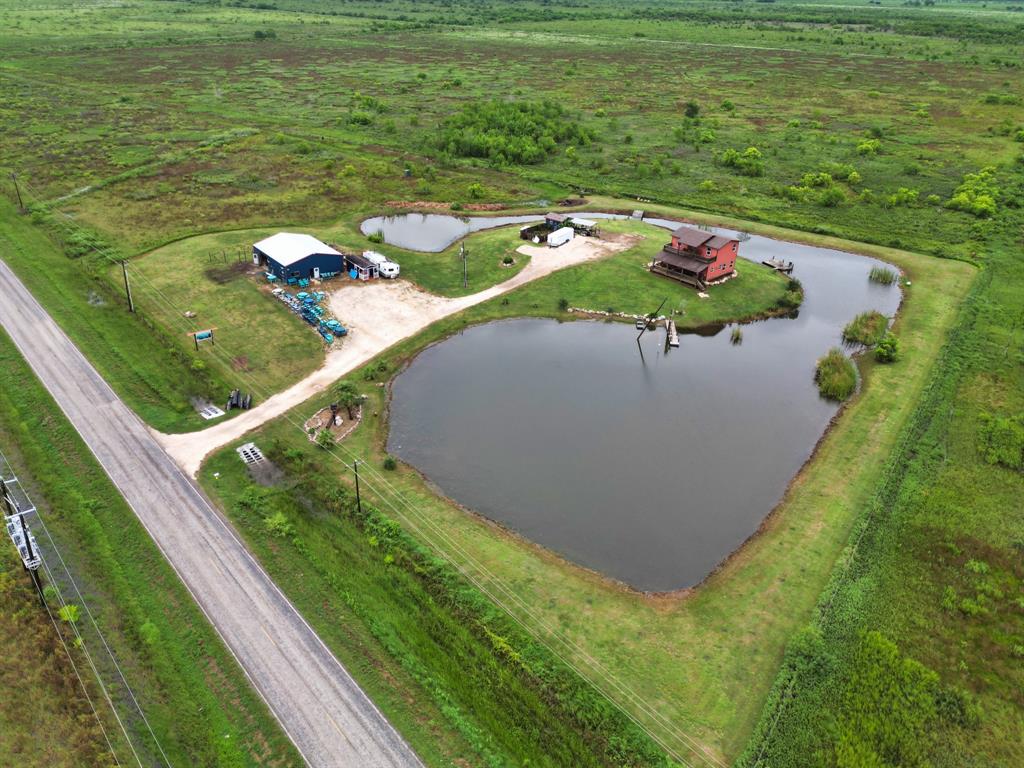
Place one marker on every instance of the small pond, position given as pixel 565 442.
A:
pixel 433 232
pixel 651 469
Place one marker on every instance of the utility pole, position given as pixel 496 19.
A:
pixel 127 288
pixel 359 499
pixel 14 178
pixel 465 266
pixel 18 530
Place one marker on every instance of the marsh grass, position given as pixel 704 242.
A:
pixel 882 275
pixel 867 328
pixel 836 375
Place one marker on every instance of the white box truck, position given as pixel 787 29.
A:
pixel 560 237
pixel 385 267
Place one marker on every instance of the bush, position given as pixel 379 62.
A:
pixel 836 375
pixel 888 348
pixel 376 237
pixel 510 132
pixel 1001 440
pixel 563 304
pixel 867 328
pixel 831 197
pixel 977 194
pixel 902 198
pixel 750 162
pixel 390 464
pixel 278 525
pixel 869 147
pixel 475 190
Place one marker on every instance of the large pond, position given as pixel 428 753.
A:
pixel 649 469
pixel 433 232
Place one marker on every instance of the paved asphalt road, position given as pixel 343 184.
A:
pixel 326 715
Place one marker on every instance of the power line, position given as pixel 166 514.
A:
pixel 699 750
pixel 81 682
pixel 95 625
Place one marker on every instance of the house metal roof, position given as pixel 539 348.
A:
pixel 694 238
pixel 719 241
pixel 679 261
pixel 556 217
pixel 286 248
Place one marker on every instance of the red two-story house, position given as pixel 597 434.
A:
pixel 696 257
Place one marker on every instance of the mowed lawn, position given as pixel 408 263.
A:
pixel 258 342
pixel 704 660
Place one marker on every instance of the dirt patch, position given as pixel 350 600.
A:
pixel 240 363
pixel 338 423
pixel 266 473
pixel 225 273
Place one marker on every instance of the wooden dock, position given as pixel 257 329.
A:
pixel 672 336
pixel 779 265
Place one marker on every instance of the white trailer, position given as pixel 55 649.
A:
pixel 561 237
pixel 385 267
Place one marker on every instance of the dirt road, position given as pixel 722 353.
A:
pixel 378 315
pixel 324 712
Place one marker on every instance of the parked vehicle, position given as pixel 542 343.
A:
pixel 385 267
pixel 560 237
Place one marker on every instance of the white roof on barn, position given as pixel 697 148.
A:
pixel 288 247
pixel 584 222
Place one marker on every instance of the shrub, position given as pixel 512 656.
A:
pixel 1001 440
pixel 869 147
pixel 867 328
pixel 475 190
pixel 390 464
pixel 278 525
pixel 69 613
pixel 977 194
pixel 692 109
pixel 902 198
pixel 325 439
pixel 836 375
pixel 376 237
pixel 750 162
pixel 508 260
pixel 736 337
pixel 510 132
pixel 888 348
pixel 831 197
pixel 563 304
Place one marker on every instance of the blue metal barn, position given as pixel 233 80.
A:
pixel 290 255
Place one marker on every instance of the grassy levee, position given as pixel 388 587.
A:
pixel 708 657
pixel 198 701
pixel 934 568
pixel 138 355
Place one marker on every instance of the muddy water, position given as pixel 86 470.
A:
pixel 649 469
pixel 433 232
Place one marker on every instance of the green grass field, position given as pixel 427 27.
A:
pixel 197 699
pixel 894 558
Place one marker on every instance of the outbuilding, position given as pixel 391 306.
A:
pixel 556 220
pixel 289 255
pixel 360 267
